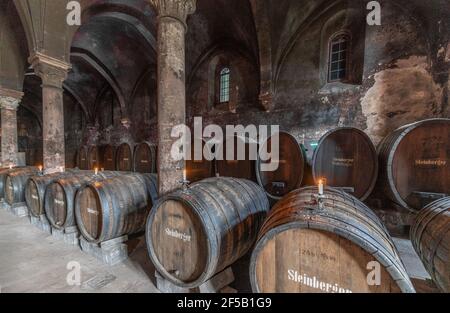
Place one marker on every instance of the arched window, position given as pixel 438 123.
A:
pixel 225 85
pixel 338 68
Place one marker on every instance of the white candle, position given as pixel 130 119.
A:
pixel 96 171
pixel 184 175
pixel 321 187
pixel 40 168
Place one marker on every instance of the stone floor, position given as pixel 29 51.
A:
pixel 32 261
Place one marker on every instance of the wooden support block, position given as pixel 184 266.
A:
pixel 42 223
pixel 110 252
pixel 218 282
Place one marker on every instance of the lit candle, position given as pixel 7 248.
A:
pixel 320 187
pixel 61 169
pixel 10 166
pixel 40 168
pixel 96 171
pixel 184 175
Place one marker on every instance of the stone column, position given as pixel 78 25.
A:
pixel 53 72
pixel 172 27
pixel 9 102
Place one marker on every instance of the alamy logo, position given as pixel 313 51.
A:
pixel 239 136
pixel 374 16
pixel 74 15
pixel 73 278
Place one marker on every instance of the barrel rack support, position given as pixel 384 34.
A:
pixel 41 222
pixel 217 284
pixel 110 252
pixel 19 210
pixel 69 235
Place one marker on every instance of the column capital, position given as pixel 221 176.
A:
pixel 53 72
pixel 10 99
pixel 176 9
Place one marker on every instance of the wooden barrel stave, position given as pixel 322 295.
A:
pixel 291 169
pixel 430 235
pixel 226 213
pixel 144 159
pixel 399 152
pixel 124 158
pixel 123 206
pixel 94 158
pixel 339 219
pixel 108 158
pixel 82 158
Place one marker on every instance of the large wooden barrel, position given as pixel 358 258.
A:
pixel 198 169
pixel 346 158
pixel 195 233
pixel 233 166
pixel 94 158
pixel 108 158
pixel 291 167
pixel 415 159
pixel 124 158
pixel 3 173
pixel 145 158
pixel 336 248
pixel 115 207
pixel 35 190
pixel 83 159
pixel 15 183
pixel 430 236
pixel 59 197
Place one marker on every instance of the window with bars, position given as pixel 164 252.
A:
pixel 339 58
pixel 225 85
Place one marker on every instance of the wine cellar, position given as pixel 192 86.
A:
pixel 225 146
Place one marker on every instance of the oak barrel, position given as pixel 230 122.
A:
pixel 430 235
pixel 35 190
pixel 304 248
pixel 15 183
pixel 229 164
pixel 144 160
pixel 415 159
pixel 115 207
pixel 83 159
pixel 290 170
pixel 108 157
pixel 94 158
pixel 196 233
pixel 124 158
pixel 347 158
pixel 199 168
pixel 3 173
pixel 59 197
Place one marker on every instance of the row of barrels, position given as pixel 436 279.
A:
pixel 410 163
pixel 304 244
pixel 125 157
pixel 102 205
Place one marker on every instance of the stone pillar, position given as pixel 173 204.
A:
pixel 172 27
pixel 53 72
pixel 9 102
